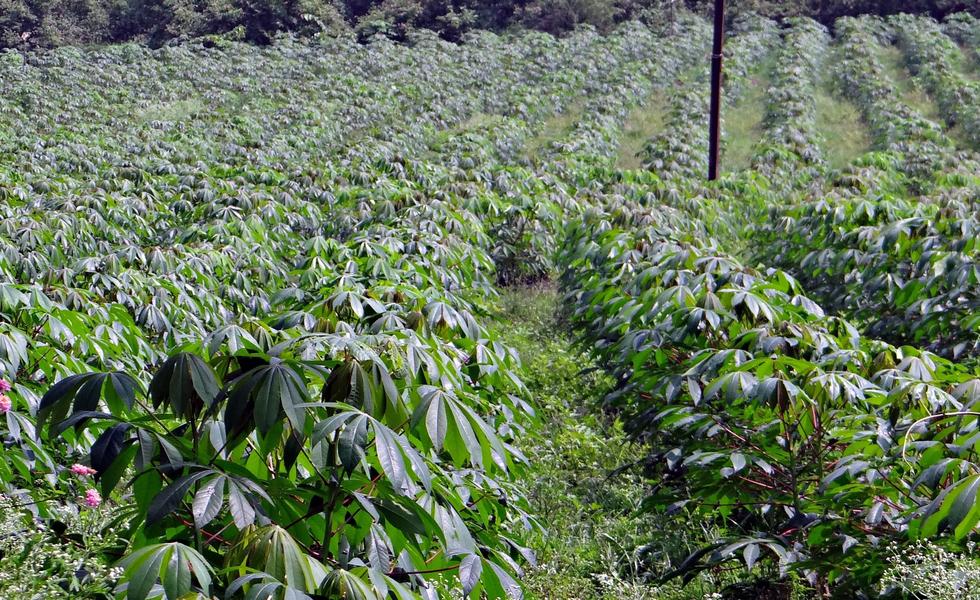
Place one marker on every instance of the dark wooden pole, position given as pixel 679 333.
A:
pixel 714 125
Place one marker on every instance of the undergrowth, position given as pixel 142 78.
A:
pixel 586 486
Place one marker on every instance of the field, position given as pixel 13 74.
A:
pixel 323 319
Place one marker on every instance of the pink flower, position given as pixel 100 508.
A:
pixel 5 404
pixel 82 470
pixel 5 385
pixel 92 498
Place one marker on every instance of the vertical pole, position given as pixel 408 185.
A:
pixel 714 125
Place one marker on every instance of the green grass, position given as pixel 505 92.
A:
pixel 845 135
pixel 592 523
pixel 642 124
pixel 555 128
pixel 909 92
pixel 173 111
pixel 914 95
pixel 968 67
pixel 742 124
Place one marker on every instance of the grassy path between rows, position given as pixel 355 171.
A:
pixel 643 123
pixel 845 134
pixel 555 128
pixel 909 92
pixel 595 543
pixel 743 123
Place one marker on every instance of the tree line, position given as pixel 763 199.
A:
pixel 47 23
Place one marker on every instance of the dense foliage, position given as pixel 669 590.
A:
pixel 245 310
pixel 813 440
pixel 29 23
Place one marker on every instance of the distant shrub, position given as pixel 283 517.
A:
pixel 47 23
pixel 57 22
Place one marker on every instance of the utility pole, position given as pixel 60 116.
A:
pixel 714 124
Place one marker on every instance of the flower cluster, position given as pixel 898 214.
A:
pixel 6 404
pixel 82 470
pixel 92 498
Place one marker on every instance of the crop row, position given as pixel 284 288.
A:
pixel 331 417
pixel 964 28
pixel 816 444
pixel 904 267
pixel 812 442
pixel 931 57
pixel 860 76
pixel 791 143
pixel 681 150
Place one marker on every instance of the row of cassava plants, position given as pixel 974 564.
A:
pixel 223 264
pixel 525 240
pixel 931 57
pixel 273 370
pixel 902 265
pixel 681 150
pixel 260 306
pixel 964 29
pixel 813 442
pixel 790 149
pixel 860 76
pixel 905 268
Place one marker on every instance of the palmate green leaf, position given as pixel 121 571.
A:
pixel 108 446
pixel 470 570
pixel 407 517
pixel 965 510
pixel 751 555
pixel 82 393
pixel 273 551
pixel 173 564
pixel 396 457
pixel 452 424
pixel 240 505
pixel 379 556
pixel 13 350
pixel 144 574
pixel 390 456
pixel 364 393
pixel 499 583
pixel 340 583
pixel 208 501
pixel 234 337
pixel 935 515
pixel 433 407
pixel 80 418
pixel 325 428
pixel 338 385
pixel 262 396
pixel 459 540
pixel 352 441
pixel 170 498
pixel 738 461
pixel 186 384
